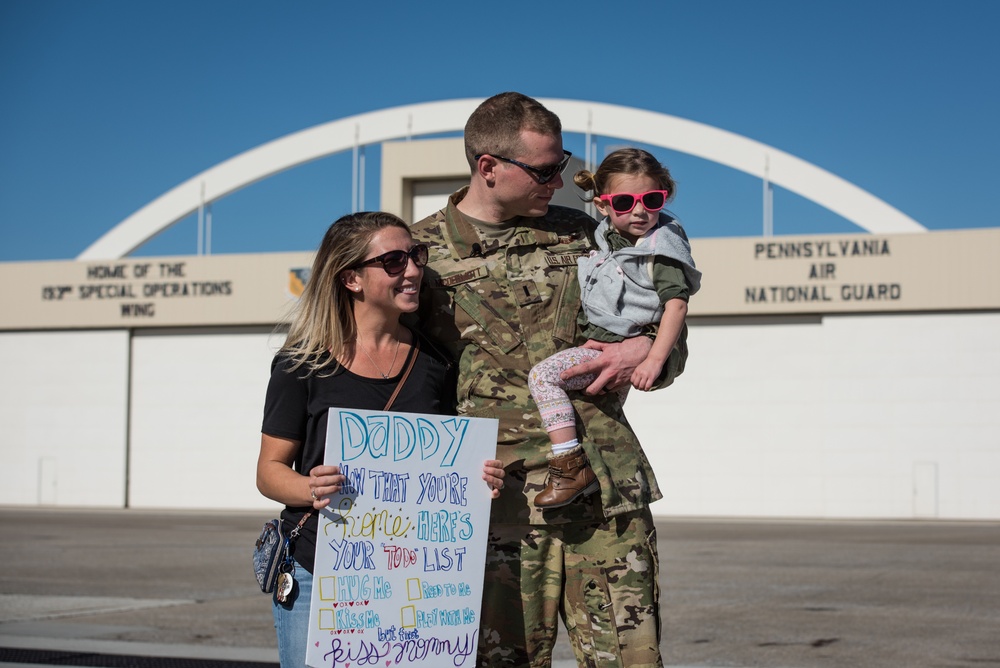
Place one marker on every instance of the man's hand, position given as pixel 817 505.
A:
pixel 614 366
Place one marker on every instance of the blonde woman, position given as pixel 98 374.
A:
pixel 346 348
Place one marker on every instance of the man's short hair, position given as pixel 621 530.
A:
pixel 495 126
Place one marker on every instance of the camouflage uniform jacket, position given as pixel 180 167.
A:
pixel 502 309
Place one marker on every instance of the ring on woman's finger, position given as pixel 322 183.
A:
pixel 312 493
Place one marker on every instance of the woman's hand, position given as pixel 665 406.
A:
pixel 493 474
pixel 324 481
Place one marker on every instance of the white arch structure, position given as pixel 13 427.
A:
pixel 590 118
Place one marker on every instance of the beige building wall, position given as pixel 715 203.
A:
pixel 936 271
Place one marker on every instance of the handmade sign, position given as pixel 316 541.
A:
pixel 401 551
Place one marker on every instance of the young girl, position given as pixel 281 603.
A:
pixel 642 275
pixel 346 347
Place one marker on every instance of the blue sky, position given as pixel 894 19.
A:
pixel 107 104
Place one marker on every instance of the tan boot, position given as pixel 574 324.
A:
pixel 570 477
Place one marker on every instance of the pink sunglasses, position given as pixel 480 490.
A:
pixel 652 201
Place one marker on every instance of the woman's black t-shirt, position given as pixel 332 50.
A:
pixel 295 408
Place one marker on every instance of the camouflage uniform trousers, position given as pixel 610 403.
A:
pixel 600 577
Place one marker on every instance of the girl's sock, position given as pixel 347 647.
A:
pixel 559 448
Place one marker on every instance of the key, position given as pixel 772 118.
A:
pixel 284 587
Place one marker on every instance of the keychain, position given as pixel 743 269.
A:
pixel 286 582
pixel 286 579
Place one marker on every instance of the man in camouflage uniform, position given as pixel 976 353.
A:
pixel 501 291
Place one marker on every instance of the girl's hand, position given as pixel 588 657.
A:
pixel 493 474
pixel 646 374
pixel 324 481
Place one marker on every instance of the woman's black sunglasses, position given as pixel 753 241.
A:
pixel 394 262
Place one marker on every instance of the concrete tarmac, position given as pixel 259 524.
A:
pixel 148 589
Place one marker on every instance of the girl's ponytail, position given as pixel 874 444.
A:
pixel 586 182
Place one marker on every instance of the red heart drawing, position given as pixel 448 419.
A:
pixel 317 643
pixel 351 604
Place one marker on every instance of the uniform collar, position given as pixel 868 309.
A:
pixel 461 235
pixel 465 240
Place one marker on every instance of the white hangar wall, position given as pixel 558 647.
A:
pixel 196 399
pixel 64 411
pixel 144 419
pixel 873 416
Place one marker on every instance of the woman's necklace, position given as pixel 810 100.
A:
pixel 385 376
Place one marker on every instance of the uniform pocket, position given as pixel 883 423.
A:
pixel 592 611
pixel 654 558
pixel 568 299
pixel 486 313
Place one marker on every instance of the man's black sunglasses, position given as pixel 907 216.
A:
pixel 394 262
pixel 541 174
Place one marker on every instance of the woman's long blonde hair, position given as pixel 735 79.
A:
pixel 323 321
